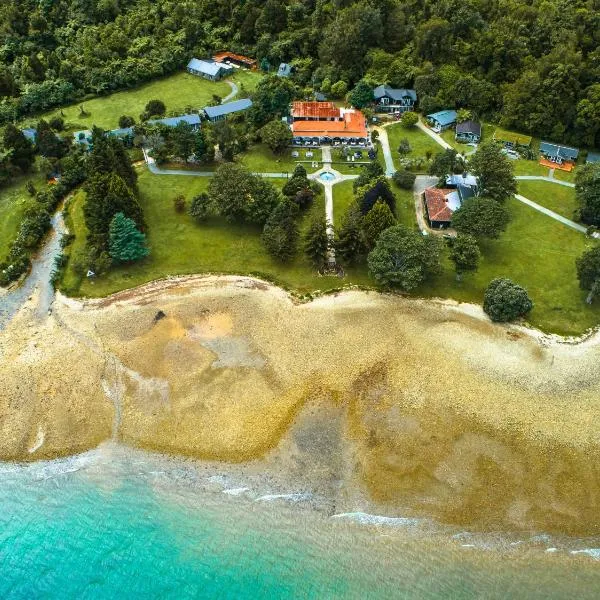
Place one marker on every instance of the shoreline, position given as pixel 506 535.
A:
pixel 385 405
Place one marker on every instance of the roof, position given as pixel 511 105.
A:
pixel 227 108
pixel 461 179
pixel 443 117
pixel 564 152
pixel 192 119
pixel 352 125
pixel 30 133
pixel 469 127
pixel 77 135
pixel 320 97
pixel 208 67
pixel 512 138
pixel 125 131
pixel 394 93
pixel 315 110
pixel 593 157
pixel 284 70
pixel 437 205
pixel 223 56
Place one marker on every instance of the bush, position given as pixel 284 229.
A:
pixel 155 108
pixel 505 300
pixel 179 203
pixel 200 208
pixel 57 123
pixel 409 119
pixel 126 121
pixel 404 179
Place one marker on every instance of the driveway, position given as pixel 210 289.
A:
pixel 543 178
pixel 390 169
pixel 232 94
pixel 434 136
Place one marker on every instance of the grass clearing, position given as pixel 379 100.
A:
pixel 421 144
pixel 14 201
pixel 556 197
pixel 180 246
pixel 565 175
pixel 180 93
pixel 529 167
pixel 260 159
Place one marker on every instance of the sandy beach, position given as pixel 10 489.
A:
pixel 373 402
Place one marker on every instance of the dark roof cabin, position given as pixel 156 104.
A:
pixel 593 157
pixel 388 99
pixel 558 154
pixel 468 131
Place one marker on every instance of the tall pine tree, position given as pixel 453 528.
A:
pixel 126 242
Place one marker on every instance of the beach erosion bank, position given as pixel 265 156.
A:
pixel 377 403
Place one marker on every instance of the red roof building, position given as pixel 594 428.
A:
pixel 235 59
pixel 325 120
pixel 439 212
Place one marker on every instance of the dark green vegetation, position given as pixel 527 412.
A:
pixel 533 67
pixel 505 300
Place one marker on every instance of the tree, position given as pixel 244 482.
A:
pixel 443 164
pixel 276 135
pixel 588 272
pixel 404 147
pixel 404 259
pixel 109 155
pixel 280 234
pixel 505 300
pixel 465 254
pixel 377 220
pixel 463 115
pixel 361 95
pixel 204 150
pixel 316 242
pixel 271 100
pixel 155 108
pixel 409 119
pixel 297 183
pixel 126 242
pixel 587 192
pixel 240 196
pixel 348 243
pixel 179 203
pixel 230 138
pixel 339 89
pixel 47 143
pixel 378 189
pixel 22 151
pixel 126 121
pixel 106 195
pixel 182 140
pixel 494 172
pixel 481 217
pixel 404 179
pixel 368 173
pixel 201 207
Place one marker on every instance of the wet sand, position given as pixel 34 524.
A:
pixel 376 403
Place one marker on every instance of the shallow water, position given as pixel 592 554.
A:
pixel 122 523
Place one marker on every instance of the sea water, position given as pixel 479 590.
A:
pixel 118 523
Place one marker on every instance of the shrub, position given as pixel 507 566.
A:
pixel 409 119
pixel 404 179
pixel 200 208
pixel 505 300
pixel 179 203
pixel 126 121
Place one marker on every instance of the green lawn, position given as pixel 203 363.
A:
pixel 565 176
pixel 529 167
pixel 180 246
pixel 260 159
pixel 180 93
pixel 246 80
pixel 75 223
pixel 420 142
pixel 556 197
pixel 14 200
pixel 343 196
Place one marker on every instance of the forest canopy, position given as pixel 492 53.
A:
pixel 531 66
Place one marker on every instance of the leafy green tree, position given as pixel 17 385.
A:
pixel 368 173
pixel 404 147
pixel 271 100
pixel 339 89
pixel 280 234
pixel 465 254
pixel 276 135
pixel 204 150
pixel 106 195
pixel 230 138
pixel 505 301
pixel 47 142
pixel 126 121
pixel 155 108
pixel 463 115
pixel 409 119
pixel 587 192
pixel 443 164
pixel 316 242
pixel 494 172
pixel 404 259
pixel 126 242
pixel 348 243
pixel 404 179
pixel 378 219
pixel 240 196
pixel 182 140
pixel 481 217
pixel 22 151
pixel 361 95
pixel 588 272
pixel 201 207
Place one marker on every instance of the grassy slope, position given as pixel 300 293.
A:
pixel 180 92
pixel 180 246
pixel 558 198
pixel 420 142
pixel 14 200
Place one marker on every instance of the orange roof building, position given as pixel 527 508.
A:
pixel 235 59
pixel 325 120
pixel 439 212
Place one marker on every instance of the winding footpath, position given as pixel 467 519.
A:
pixel 232 94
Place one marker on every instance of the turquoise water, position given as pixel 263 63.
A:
pixel 116 523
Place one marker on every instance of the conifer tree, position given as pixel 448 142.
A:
pixel 126 242
pixel 316 242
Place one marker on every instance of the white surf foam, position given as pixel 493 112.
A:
pixel 368 519
pixel 236 491
pixel 297 497
pixel 593 552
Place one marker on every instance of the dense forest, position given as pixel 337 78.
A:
pixel 529 65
